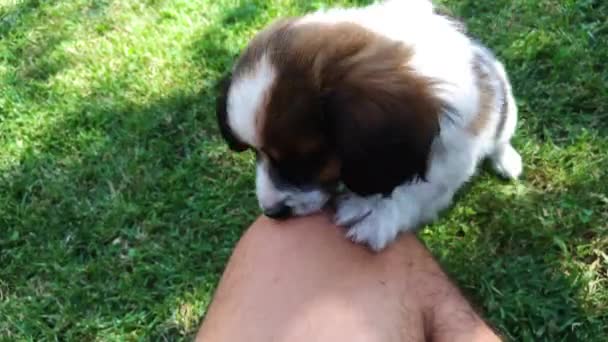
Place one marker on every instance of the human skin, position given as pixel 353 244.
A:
pixel 301 280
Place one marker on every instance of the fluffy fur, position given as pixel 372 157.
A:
pixel 394 101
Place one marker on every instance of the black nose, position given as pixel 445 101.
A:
pixel 278 212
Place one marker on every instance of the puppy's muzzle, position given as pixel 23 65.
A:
pixel 279 211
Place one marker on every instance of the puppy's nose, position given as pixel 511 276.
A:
pixel 278 212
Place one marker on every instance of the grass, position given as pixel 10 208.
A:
pixel 119 203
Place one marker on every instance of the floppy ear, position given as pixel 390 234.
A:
pixel 383 130
pixel 221 112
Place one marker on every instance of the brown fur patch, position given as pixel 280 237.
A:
pixel 331 171
pixel 381 115
pixel 487 97
pixel 342 90
pixel 258 46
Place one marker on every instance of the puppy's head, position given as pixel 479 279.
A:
pixel 326 104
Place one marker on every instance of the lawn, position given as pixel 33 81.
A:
pixel 119 203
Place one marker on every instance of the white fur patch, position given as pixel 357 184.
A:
pixel 245 98
pixel 267 193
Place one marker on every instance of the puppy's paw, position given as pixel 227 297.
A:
pixel 368 221
pixel 351 209
pixel 507 162
pixel 373 231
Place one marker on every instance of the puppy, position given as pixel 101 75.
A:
pixel 393 103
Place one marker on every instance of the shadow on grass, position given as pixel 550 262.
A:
pixel 246 13
pixel 31 35
pixel 11 17
pixel 146 210
pixel 119 212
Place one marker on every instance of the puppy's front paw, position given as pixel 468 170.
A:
pixel 373 230
pixel 367 220
pixel 352 209
pixel 507 162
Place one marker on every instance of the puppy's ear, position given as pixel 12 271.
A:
pixel 221 112
pixel 383 128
